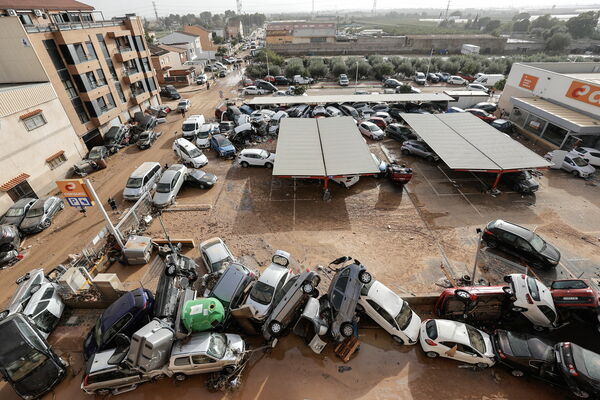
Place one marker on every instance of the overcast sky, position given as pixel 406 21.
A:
pixel 144 7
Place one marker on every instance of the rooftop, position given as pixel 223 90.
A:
pixel 44 5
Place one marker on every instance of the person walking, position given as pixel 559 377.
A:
pixel 112 203
pixel 207 85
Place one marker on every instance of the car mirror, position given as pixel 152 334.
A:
pixel 121 340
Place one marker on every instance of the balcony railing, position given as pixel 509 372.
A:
pixel 124 49
pixel 69 26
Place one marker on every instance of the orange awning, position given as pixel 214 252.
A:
pixel 22 177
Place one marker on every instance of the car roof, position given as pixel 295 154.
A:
pixel 368 123
pixel 184 143
pixel 452 330
pixel 195 343
pixel 216 250
pixel 168 176
pixel 143 169
pixel 120 307
pixel 387 299
pixel 525 345
pixel 513 228
pixel 252 151
pixel 273 274
pixel 23 202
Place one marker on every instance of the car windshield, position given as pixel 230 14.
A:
pixel 163 187
pixel 373 128
pixel 25 364
pixel 404 316
pixel 476 339
pixel 217 345
pixel 569 284
pixel 15 212
pixel 194 152
pixel 34 212
pixel 537 243
pixel 144 136
pixel 580 162
pixel 526 175
pixel 134 183
pixel 224 142
pixel 262 293
pixel 45 320
pixel 182 104
pixel 188 127
pixel 586 361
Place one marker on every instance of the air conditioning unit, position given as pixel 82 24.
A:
pixel 38 13
pixel 11 12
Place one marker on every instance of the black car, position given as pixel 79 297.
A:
pixel 231 288
pixel 503 125
pixel 114 137
pixel 281 80
pixel 170 92
pixel 525 354
pixel 268 86
pixel 521 181
pixel 395 113
pixel 433 78
pixel 488 107
pixel 201 179
pixel 391 83
pixel 580 367
pixel 380 107
pixel 522 242
pixel 399 132
pixel 17 211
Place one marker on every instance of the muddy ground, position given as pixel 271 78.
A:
pixel 409 238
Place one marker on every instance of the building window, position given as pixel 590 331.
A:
pixel 101 77
pixel 80 52
pixel 91 52
pixel 318 40
pixel 102 45
pixel 102 104
pixel 57 160
pixel 146 65
pixel 80 110
pixel 68 85
pixel 120 92
pixel 554 134
pixel 34 122
pixel 518 116
pixel 52 50
pixel 535 124
pixel 111 101
pixel 25 19
pixel 111 68
pixel 21 191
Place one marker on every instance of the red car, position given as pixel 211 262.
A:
pixel 483 115
pixel 574 293
pixel 468 78
pixel 380 122
pixel 479 303
pixel 269 78
pixel 247 82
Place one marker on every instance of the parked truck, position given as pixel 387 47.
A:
pixel 301 80
pixel 489 80
pixel 469 49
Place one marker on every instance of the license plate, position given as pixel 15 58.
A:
pixel 570 298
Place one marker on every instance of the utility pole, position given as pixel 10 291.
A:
pixel 155 10
pixel 374 7
pixel 356 81
pixel 447 8
pixel 111 227
pixel 428 65
pixel 239 6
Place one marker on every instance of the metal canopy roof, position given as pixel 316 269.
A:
pixel 351 98
pixel 322 147
pixel 558 115
pixel 465 142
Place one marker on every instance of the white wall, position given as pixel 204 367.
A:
pixel 18 60
pixel 26 151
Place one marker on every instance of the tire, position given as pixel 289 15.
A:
pixel 315 294
pixel 275 328
pixel 398 339
pixel 229 369
pixel 244 164
pixel 180 377
pixel 462 294
pixel 46 224
pixel 346 329
pixel 4 314
pixel 481 365
pixel 430 159
pixel 307 288
pixel 202 186
pixel 405 152
pixel 575 174
pixel 517 373
pixel 192 276
pixel 582 394
pixel 269 165
pixel 170 270
pixel 432 354
pixel 364 277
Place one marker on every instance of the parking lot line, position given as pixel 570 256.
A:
pixel 460 191
pixel 427 180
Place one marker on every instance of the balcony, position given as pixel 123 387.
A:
pixel 108 113
pixel 91 64
pixel 124 54
pixel 97 92
pixel 139 96
pixel 71 26
pixel 132 75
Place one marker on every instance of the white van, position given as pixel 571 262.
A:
pixel 142 180
pixel 189 154
pixel 489 80
pixel 191 126
pixel 203 135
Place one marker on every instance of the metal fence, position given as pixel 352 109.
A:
pixel 133 220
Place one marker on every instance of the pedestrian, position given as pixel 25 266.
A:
pixel 112 203
pixel 166 165
pixel 207 85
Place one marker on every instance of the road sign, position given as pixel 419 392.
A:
pixel 76 192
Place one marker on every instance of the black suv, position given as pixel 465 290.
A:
pixel 399 132
pixel 170 92
pixel 114 137
pixel 281 80
pixel 522 242
pixel 521 181
pixel 579 366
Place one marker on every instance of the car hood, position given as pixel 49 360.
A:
pixel 413 329
pixel 227 148
pixel 551 252
pixel 40 380
pixel 29 223
pixel 162 199
pixel 260 310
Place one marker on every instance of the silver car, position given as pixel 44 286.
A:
pixel 215 254
pixel 418 148
pixel 40 215
pixel 169 185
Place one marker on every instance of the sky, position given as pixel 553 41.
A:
pixel 144 8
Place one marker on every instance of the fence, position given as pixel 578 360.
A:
pixel 133 220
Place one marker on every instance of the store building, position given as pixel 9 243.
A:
pixel 100 70
pixel 557 102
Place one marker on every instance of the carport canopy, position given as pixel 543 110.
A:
pixel 465 142
pixel 351 98
pixel 322 148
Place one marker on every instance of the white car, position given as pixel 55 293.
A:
pixel 574 164
pixel 268 288
pixel 371 130
pixel 533 299
pixel 456 80
pixel 215 254
pixel 344 80
pixel 477 87
pixel 252 90
pixel 461 342
pixel 184 105
pixel 384 115
pixel 203 135
pixel 280 93
pixel 589 154
pixel 256 157
pixel 169 185
pixel 189 154
pixel 346 181
pixel 420 78
pixel 390 312
pixel 261 115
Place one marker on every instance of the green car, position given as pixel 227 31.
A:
pixel 202 314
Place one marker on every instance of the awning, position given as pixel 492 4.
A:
pixel 351 98
pixel 55 155
pixel 465 142
pixel 22 177
pixel 558 115
pixel 30 114
pixel 322 147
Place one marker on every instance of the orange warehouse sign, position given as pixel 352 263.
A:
pixel 75 192
pixel 528 81
pixel 585 93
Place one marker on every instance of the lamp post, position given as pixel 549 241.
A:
pixel 356 81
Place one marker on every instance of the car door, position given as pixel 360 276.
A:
pixel 507 240
pixel 420 150
pixel 568 164
pixel 202 363
pixel 468 354
pixel 176 184
pixel 181 364
pixel 383 318
pixel 524 248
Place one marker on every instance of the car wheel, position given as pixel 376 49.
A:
pixel 157 378
pixel 4 314
pixel 229 369
pixel 171 269
pixel 517 373
pixel 507 290
pixel 275 328
pixel 346 329
pixel 405 152
pixel 180 377
pixel 315 293
pixel 581 394
pixel 481 365
pixel 432 354
pixel 307 288
pixel 575 173
pixel 398 339
pixel 62 206
pixel 244 164
pixel 202 186
pixel 46 224
pixel 462 294
pixel 269 165
pixel 430 159
pixel 364 277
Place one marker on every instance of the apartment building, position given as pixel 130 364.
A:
pixel 168 62
pixel 100 69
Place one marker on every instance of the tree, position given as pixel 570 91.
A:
pixel 364 69
pixel 521 25
pixel 149 39
pixel 521 16
pixel 500 84
pixel 273 57
pixel 558 42
pixel 374 59
pixel 294 67
pixel 317 69
pixel 382 70
pixel 583 25
pixel 339 68
pixel 405 69
pixel 544 22
pixel 405 88
pixel 492 24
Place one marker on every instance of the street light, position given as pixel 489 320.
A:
pixel 356 81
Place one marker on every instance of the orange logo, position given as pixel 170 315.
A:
pixel 528 81
pixel 72 188
pixel 584 92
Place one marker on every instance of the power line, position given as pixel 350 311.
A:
pixel 374 10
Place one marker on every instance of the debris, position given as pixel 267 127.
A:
pixel 348 347
pixel 443 282
pixel 344 368
pixel 389 227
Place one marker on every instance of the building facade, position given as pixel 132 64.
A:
pixel 234 28
pixel 187 41
pixel 166 59
pixel 208 47
pixel 557 102
pixel 298 32
pixel 100 70
pixel 39 144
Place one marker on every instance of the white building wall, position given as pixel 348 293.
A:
pixel 26 151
